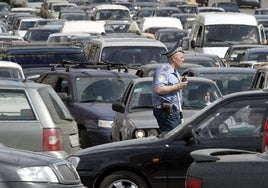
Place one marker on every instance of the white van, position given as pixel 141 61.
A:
pixel 212 33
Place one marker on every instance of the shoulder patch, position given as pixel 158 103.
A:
pixel 161 78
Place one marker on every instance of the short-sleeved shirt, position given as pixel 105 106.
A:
pixel 166 75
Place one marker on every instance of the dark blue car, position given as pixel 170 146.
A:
pixel 89 94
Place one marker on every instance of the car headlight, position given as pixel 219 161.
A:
pixel 140 133
pixel 104 123
pixel 38 174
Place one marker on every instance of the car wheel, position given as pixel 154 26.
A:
pixel 84 143
pixel 123 179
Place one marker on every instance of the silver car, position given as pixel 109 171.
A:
pixel 33 117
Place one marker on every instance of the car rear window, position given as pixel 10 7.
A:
pixel 55 106
pixel 15 106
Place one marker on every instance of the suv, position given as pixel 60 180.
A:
pixel 41 56
pixel 131 50
pixel 34 118
pixel 89 95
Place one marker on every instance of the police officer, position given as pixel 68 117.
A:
pixel 167 86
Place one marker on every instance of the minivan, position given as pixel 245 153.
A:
pixel 212 33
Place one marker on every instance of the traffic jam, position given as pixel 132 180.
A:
pixel 134 93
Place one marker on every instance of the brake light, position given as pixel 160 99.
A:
pixel 192 182
pixel 265 137
pixel 52 140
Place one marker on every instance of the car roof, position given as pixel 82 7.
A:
pixel 81 72
pixel 221 70
pixel 38 49
pixel 126 41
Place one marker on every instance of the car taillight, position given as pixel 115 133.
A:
pixel 192 182
pixel 52 140
pixel 265 137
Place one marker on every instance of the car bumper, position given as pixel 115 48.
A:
pixel 99 136
pixel 37 185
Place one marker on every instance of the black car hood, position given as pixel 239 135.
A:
pixel 133 143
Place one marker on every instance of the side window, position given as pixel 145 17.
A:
pixel 15 106
pixel 62 85
pixel 235 119
pixel 200 37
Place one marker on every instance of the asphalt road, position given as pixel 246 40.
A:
pixel 245 10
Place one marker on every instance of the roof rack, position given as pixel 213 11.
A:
pixel 68 64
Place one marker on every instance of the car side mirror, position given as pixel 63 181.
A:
pixel 188 135
pixel 193 44
pixel 117 106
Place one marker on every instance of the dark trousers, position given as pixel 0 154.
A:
pixel 165 121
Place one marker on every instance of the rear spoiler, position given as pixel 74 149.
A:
pixel 207 155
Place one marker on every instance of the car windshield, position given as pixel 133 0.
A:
pixel 113 14
pixel 133 56
pixel 230 82
pixel 224 35
pixel 90 89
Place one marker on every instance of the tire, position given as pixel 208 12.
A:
pixel 84 143
pixel 124 179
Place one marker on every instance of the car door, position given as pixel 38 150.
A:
pixel 234 131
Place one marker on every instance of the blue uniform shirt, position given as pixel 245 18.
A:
pixel 165 75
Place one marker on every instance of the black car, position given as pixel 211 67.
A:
pixel 34 56
pixel 224 168
pixel 162 161
pixel 202 2
pixel 248 3
pixel 21 168
pixel 89 94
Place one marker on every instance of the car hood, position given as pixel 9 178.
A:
pixel 94 109
pixel 24 158
pixel 144 119
pixel 123 145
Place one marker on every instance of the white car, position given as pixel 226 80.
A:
pixel 10 70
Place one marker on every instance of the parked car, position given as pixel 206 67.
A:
pixel 40 34
pixel 210 9
pixel 260 78
pixel 162 161
pixel 170 36
pixel 88 94
pixel 134 113
pixel 255 54
pixel 248 3
pixel 131 50
pixel 149 69
pixel 11 71
pixel 235 52
pixel 261 11
pixel 227 6
pixel 227 168
pixel 22 168
pixel 34 118
pixel 228 79
pixel 42 56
